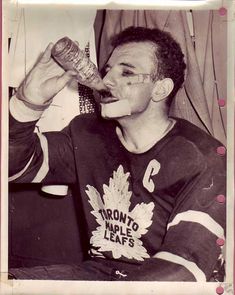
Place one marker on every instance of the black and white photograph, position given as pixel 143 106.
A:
pixel 119 150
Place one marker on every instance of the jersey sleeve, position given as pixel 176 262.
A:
pixel 191 250
pixel 39 157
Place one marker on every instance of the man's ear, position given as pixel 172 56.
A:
pixel 162 89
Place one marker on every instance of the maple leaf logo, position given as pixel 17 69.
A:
pixel 119 229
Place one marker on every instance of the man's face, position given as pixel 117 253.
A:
pixel 129 78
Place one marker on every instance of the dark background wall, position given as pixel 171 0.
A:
pixel 44 229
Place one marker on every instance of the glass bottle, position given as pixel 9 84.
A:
pixel 68 54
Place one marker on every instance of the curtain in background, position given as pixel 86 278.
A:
pixel 203 42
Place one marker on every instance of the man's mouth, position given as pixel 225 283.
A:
pixel 107 97
pixel 108 100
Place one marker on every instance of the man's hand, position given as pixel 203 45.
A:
pixel 44 81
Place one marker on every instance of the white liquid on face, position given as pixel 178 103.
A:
pixel 116 109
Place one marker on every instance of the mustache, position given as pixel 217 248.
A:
pixel 105 93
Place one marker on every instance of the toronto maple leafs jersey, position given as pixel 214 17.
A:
pixel 156 210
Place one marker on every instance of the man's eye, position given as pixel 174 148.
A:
pixel 127 73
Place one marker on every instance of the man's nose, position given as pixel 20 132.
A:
pixel 109 79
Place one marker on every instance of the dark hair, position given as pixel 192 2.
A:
pixel 168 52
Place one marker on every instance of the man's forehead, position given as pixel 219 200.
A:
pixel 134 50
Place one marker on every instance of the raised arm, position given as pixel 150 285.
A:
pixel 28 151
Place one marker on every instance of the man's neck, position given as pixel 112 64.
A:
pixel 139 133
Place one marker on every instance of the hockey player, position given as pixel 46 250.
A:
pixel 148 183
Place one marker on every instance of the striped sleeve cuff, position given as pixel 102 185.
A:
pixel 43 169
pixel 23 113
pixel 201 218
pixel 189 265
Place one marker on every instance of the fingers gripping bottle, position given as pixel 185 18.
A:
pixel 68 54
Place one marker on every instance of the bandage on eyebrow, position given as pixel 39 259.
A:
pixel 68 54
pixel 139 79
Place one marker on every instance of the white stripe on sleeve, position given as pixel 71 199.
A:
pixel 189 265
pixel 17 175
pixel 42 172
pixel 201 218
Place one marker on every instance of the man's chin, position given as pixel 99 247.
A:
pixel 116 109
